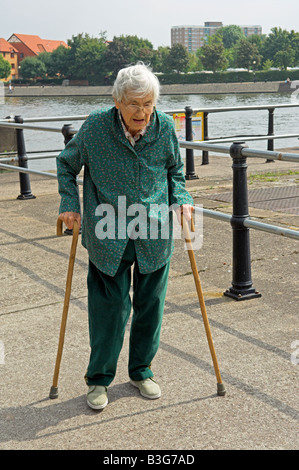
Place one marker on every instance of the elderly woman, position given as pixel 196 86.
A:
pixel 131 160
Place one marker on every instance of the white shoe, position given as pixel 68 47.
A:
pixel 97 397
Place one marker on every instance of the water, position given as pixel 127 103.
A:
pixel 220 124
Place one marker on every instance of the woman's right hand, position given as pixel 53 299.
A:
pixel 69 217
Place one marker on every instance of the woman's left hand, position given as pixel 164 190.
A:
pixel 186 210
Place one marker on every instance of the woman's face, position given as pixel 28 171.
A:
pixel 136 111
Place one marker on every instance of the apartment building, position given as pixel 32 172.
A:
pixel 193 36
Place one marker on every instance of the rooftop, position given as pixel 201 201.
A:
pixel 35 43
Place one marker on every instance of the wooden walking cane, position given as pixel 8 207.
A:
pixel 54 388
pixel 220 386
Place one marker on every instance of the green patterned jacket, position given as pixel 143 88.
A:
pixel 118 176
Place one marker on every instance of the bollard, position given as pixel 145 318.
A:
pixel 190 173
pixel 270 146
pixel 205 153
pixel 68 133
pixel 241 288
pixel 22 158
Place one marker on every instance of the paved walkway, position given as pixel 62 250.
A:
pixel 254 340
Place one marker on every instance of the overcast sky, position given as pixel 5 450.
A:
pixel 150 19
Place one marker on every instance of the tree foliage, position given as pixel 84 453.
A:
pixel 278 43
pixel 212 55
pixel 177 59
pixel 230 35
pixel 5 68
pixel 247 55
pixel 98 60
pixel 32 67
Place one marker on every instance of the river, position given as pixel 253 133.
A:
pixel 220 124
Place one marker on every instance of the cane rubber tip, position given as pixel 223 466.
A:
pixel 221 390
pixel 53 392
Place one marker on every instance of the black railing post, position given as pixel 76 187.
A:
pixel 190 173
pixel 22 158
pixel 68 133
pixel 241 288
pixel 205 153
pixel 270 146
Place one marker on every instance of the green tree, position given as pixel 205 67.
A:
pixel 84 58
pixel 247 55
pixel 117 55
pixel 212 55
pixel 46 58
pixel 59 63
pixel 89 59
pixel 141 49
pixel 177 60
pixel 230 35
pixel 277 40
pixel 294 40
pixel 285 59
pixel 160 57
pixel 56 62
pixel 258 40
pixel 5 68
pixel 267 65
pixel 32 67
pixel 195 64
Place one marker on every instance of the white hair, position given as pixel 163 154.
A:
pixel 137 79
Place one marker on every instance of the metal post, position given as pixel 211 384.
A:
pixel 22 159
pixel 205 153
pixel 190 173
pixel 270 132
pixel 241 288
pixel 68 133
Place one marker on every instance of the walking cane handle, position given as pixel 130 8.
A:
pixel 59 225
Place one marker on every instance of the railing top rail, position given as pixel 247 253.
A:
pixel 235 108
pixel 252 138
pixel 204 146
pixel 14 125
pixel 271 155
pixel 34 172
pixel 246 152
pixel 49 118
pixel 171 111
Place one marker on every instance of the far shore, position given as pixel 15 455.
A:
pixel 186 89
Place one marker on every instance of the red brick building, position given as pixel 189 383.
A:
pixel 31 45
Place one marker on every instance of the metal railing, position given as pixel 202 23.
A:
pixel 270 137
pixel 241 223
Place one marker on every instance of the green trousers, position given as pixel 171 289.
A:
pixel 109 307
